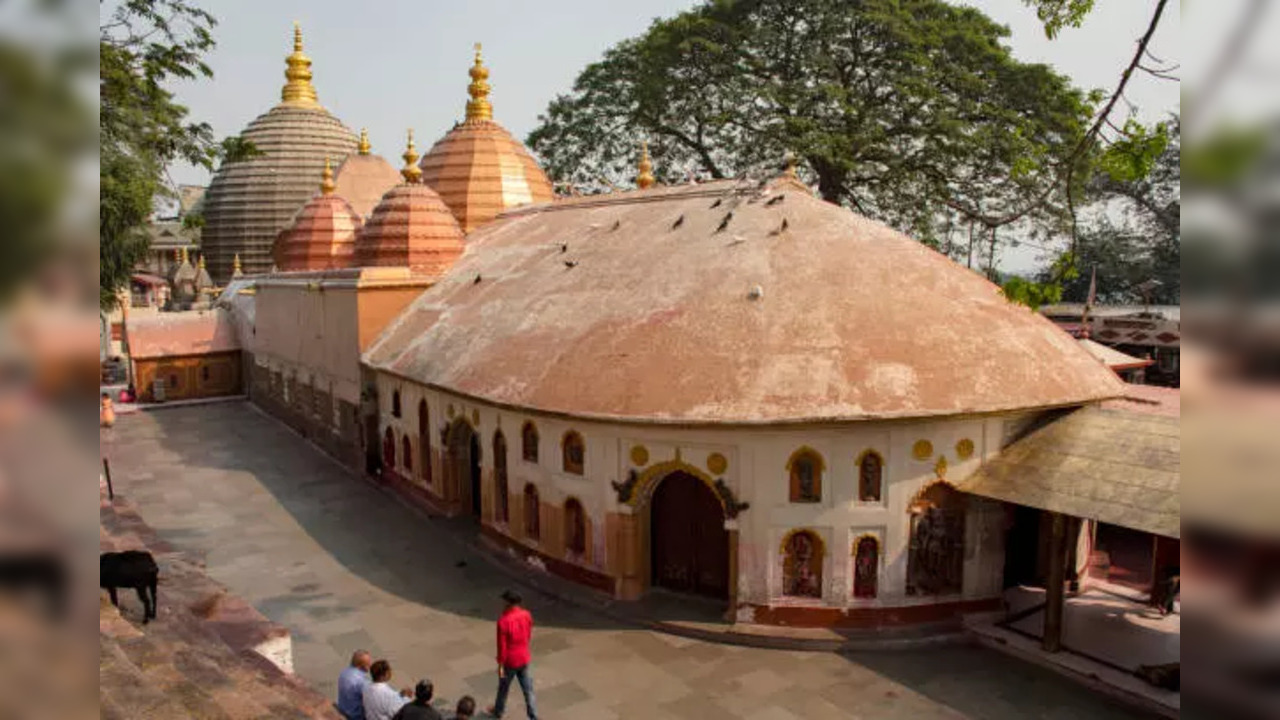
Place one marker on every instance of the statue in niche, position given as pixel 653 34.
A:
pixel 866 567
pixel 935 562
pixel 802 567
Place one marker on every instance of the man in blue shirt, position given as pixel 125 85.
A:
pixel 351 683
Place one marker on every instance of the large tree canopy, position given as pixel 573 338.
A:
pixel 143 45
pixel 912 111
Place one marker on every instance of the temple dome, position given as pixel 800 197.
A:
pixel 363 178
pixel 478 168
pixel 410 227
pixel 322 235
pixel 720 303
pixel 250 201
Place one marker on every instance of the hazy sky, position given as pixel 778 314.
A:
pixel 393 64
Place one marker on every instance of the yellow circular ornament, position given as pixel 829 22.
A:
pixel 639 455
pixel 922 450
pixel 964 449
pixel 717 463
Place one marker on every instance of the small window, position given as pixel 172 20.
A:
pixel 424 440
pixel 532 510
pixel 870 476
pixel 395 404
pixel 407 452
pixel 802 565
pixel 529 442
pixel 575 528
pixel 503 512
pixel 805 468
pixel 574 451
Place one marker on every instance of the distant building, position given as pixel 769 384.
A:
pixel 1143 331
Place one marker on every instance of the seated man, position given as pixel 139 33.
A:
pixel 351 683
pixel 420 708
pixel 466 708
pixel 381 701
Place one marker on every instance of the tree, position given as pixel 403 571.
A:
pixel 912 111
pixel 143 45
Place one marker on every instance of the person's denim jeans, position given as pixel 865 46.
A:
pixel 526 686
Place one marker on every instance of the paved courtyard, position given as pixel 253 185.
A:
pixel 344 565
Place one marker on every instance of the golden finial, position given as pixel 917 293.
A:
pixel 791 165
pixel 645 178
pixel 364 141
pixel 411 172
pixel 478 107
pixel 236 270
pixel 326 183
pixel 200 262
pixel 185 260
pixel 298 89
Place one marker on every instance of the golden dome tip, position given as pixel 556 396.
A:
pixel 478 107
pixel 411 172
pixel 326 183
pixel 645 178
pixel 364 141
pixel 298 89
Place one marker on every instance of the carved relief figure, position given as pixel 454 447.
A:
pixel 805 469
pixel 866 567
pixel 935 563
pixel 802 565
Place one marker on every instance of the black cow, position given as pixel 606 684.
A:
pixel 131 569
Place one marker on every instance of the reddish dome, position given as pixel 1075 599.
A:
pixel 322 235
pixel 411 227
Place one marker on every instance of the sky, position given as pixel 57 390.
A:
pixel 389 65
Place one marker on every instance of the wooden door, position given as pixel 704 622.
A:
pixel 690 547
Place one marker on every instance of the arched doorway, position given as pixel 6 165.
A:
pixel 688 542
pixel 464 458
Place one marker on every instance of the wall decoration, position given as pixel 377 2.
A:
pixel 964 449
pixel 717 463
pixel 626 490
pixel 922 450
pixel 731 505
pixel 639 455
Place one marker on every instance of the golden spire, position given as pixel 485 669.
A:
pixel 200 262
pixel 326 183
pixel 364 141
pixel 790 160
pixel 645 178
pixel 478 107
pixel 185 260
pixel 411 172
pixel 236 270
pixel 298 89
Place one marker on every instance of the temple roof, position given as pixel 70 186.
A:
pixel 727 303
pixel 363 178
pixel 410 227
pixel 322 235
pixel 478 168
pixel 175 334
pixel 249 201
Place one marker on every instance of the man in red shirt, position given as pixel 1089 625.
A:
pixel 515 628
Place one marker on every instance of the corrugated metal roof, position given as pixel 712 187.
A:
pixel 1113 466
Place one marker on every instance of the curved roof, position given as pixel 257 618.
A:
pixel 249 201
pixel 639 306
pixel 321 237
pixel 363 178
pixel 411 228
pixel 478 168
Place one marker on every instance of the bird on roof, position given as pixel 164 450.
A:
pixel 776 200
pixel 564 247
pixel 477 280
pixel 617 224
pixel 716 204
pixel 679 221
pixel 571 263
pixel 725 222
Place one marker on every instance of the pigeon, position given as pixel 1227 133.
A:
pixel 564 247
pixel 776 200
pixel 716 204
pixel 571 263
pixel 725 222
pixel 679 221
pixel 617 224
pixel 477 280
pixel 780 228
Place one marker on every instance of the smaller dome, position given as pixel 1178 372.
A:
pixel 363 178
pixel 410 227
pixel 322 235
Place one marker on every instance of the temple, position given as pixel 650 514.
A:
pixel 732 389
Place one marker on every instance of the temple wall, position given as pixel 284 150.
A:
pixel 189 377
pixel 752 464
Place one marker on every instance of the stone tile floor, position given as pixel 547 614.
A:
pixel 344 565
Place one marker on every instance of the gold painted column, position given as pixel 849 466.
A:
pixel 1054 590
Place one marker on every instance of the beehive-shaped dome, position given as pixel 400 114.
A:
pixel 411 227
pixel 478 168
pixel 363 178
pixel 322 235
pixel 250 200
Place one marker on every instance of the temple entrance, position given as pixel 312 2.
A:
pixel 1123 556
pixel 464 460
pixel 688 542
pixel 1026 548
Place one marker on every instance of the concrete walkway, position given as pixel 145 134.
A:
pixel 343 565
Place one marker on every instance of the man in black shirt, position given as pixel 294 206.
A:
pixel 420 708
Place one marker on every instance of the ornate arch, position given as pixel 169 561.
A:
pixel 637 491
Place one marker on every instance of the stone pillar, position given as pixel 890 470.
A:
pixel 632 585
pixel 1054 586
pixel 731 614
